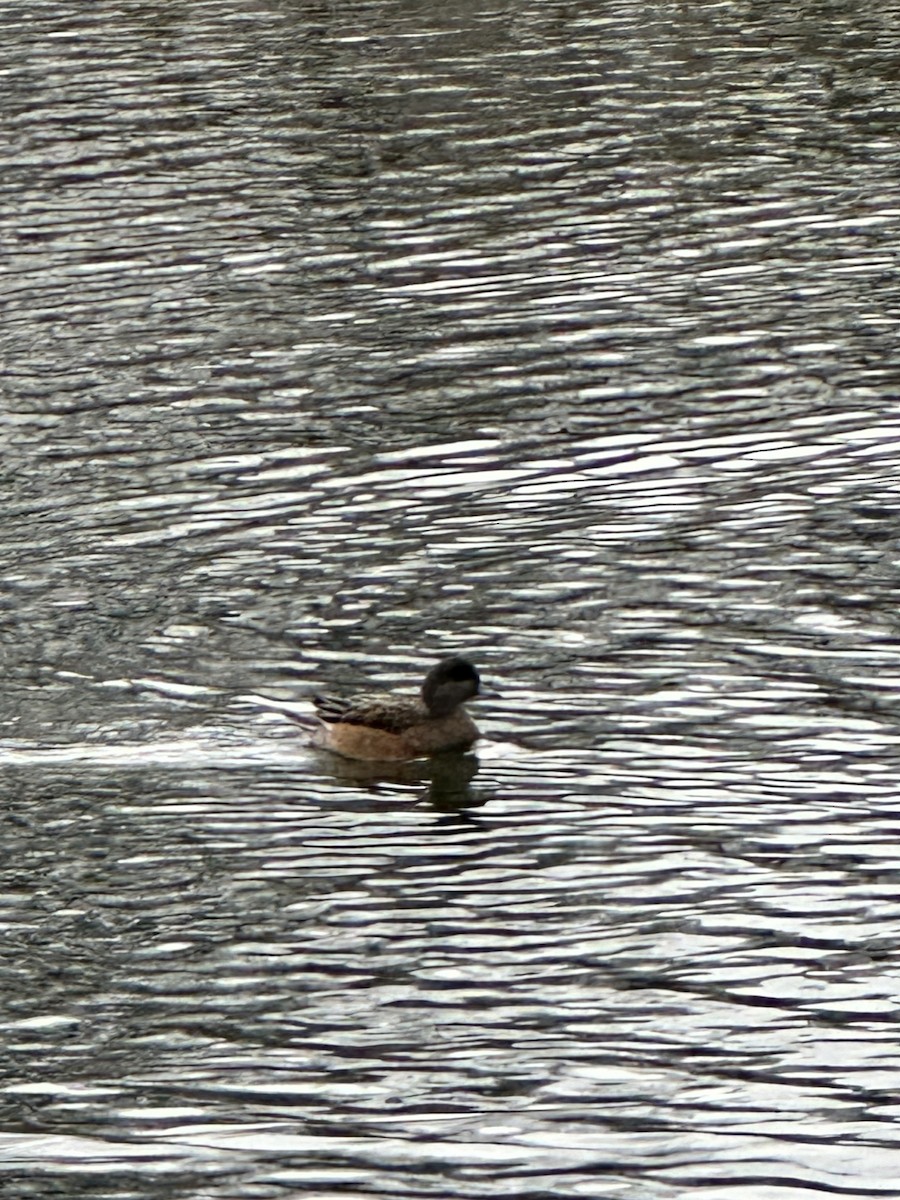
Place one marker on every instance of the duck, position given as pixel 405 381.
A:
pixel 394 726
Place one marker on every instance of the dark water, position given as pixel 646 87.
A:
pixel 338 337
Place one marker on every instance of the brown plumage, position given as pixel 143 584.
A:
pixel 390 727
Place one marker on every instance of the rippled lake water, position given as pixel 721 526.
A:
pixel 340 337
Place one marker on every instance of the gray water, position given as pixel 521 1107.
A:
pixel 338 337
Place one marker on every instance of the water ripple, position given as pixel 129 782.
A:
pixel 564 339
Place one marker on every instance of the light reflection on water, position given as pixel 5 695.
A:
pixel 562 339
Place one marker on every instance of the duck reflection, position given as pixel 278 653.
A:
pixel 445 779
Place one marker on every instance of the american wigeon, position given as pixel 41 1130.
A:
pixel 395 726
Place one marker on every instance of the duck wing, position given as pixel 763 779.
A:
pixel 391 713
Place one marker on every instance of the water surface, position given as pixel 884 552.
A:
pixel 340 337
